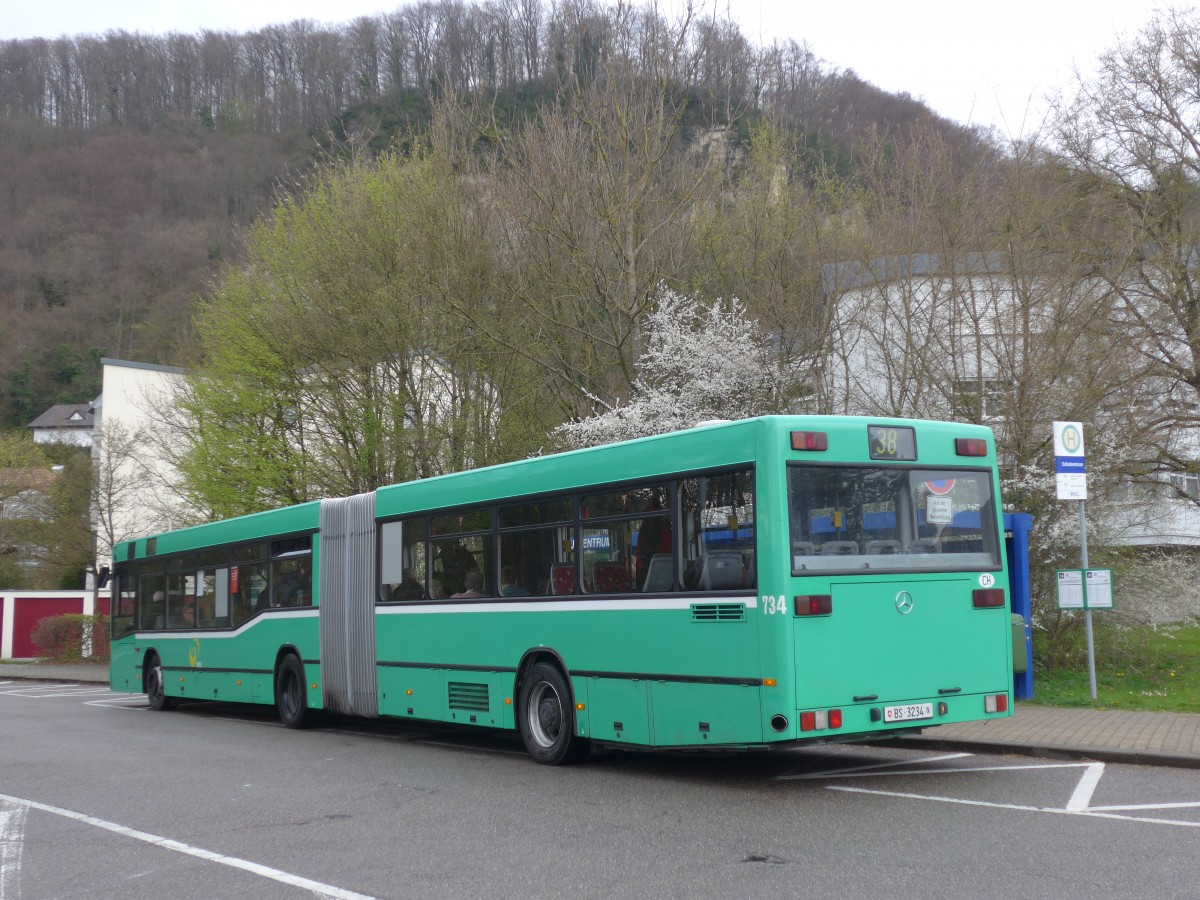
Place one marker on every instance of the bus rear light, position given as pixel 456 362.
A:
pixel 995 703
pixel 970 446
pixel 987 598
pixel 814 605
pixel 810 440
pixel 820 719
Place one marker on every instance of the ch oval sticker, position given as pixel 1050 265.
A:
pixel 986 580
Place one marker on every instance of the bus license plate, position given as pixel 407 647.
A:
pixel 909 713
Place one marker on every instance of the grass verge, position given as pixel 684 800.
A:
pixel 1136 668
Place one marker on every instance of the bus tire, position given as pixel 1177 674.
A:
pixel 156 685
pixel 291 694
pixel 547 717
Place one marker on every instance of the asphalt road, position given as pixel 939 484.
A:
pixel 101 797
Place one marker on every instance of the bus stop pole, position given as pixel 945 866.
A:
pixel 1087 612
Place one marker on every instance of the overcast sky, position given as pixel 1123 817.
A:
pixel 983 62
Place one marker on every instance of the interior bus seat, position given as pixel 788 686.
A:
pixel 562 579
pixel 658 574
pixel 882 547
pixel 804 548
pixel 609 578
pixel 722 571
pixel 839 548
pixel 924 545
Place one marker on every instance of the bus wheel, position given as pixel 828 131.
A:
pixel 547 717
pixel 156 688
pixel 291 698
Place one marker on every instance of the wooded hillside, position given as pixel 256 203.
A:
pixel 129 162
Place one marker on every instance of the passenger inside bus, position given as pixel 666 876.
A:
pixel 508 583
pixel 408 588
pixel 473 586
pixel 654 536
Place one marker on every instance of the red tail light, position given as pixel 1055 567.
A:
pixel 970 446
pixel 814 605
pixel 987 598
pixel 810 440
pixel 995 703
pixel 820 720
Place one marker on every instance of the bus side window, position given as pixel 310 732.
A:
pixel 718 547
pixel 212 596
pixel 292 581
pixel 402 560
pixel 124 617
pixel 153 604
pixel 247 584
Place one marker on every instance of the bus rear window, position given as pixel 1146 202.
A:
pixel 890 518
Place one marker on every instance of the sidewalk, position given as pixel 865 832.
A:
pixel 1104 735
pixel 87 672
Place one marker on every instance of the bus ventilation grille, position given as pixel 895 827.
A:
pixel 472 697
pixel 718 612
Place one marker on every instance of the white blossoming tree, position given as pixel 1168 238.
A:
pixel 702 361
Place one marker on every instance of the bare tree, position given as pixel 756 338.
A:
pixel 117 486
pixel 596 203
pixel 1132 135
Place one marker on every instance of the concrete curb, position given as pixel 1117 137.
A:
pixel 1042 751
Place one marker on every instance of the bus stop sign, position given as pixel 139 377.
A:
pixel 1070 464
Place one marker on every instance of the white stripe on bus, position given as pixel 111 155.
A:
pixel 577 604
pixel 306 613
pixel 573 605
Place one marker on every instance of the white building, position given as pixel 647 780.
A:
pixel 924 337
pixel 135 478
pixel 65 423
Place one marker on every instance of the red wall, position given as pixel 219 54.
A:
pixel 28 611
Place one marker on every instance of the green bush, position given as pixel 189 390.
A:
pixel 65 638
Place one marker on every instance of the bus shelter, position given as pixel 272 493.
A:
pixel 1016 539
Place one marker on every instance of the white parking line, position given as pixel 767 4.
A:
pixel 1087 813
pixel 12 842
pixel 323 890
pixel 51 693
pixel 1086 787
pixel 1134 806
pixel 123 701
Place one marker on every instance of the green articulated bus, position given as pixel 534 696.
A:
pixel 748 584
